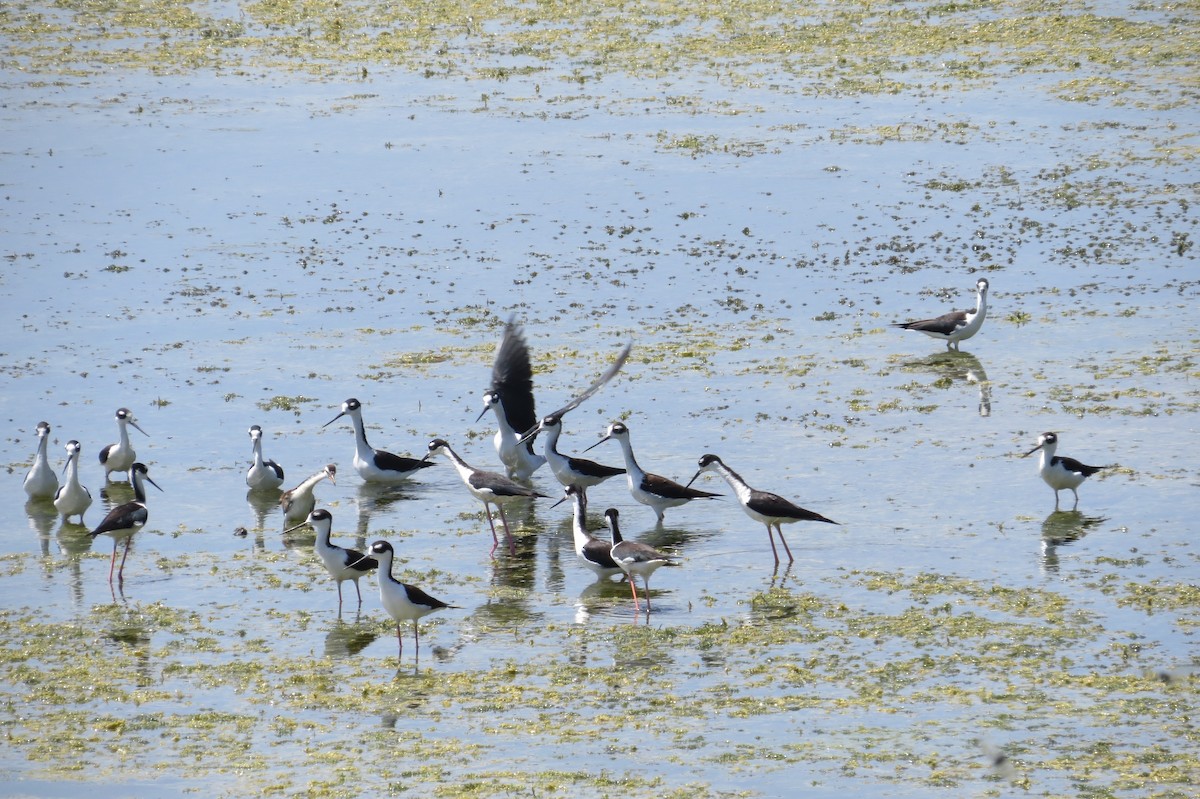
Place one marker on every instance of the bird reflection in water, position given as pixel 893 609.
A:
pixel 1061 528
pixel 951 367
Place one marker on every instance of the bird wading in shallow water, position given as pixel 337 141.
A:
pixel 1060 472
pixel 72 499
pixel 650 489
pixel 120 456
pixel 375 465
pixel 591 551
pixel 764 507
pixel 955 326
pixel 579 473
pixel 125 520
pixel 300 501
pixel 341 563
pixel 403 602
pixel 634 558
pixel 41 482
pixel 510 397
pixel 263 475
pixel 490 488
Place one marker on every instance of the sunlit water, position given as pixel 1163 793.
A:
pixel 193 247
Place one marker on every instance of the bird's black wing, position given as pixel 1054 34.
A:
pixel 512 378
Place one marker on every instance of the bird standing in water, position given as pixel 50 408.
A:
pixel 125 520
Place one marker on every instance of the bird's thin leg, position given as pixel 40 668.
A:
pixel 495 539
pixel 399 643
pixel 416 642
pixel 112 562
pixel 779 529
pixel 512 547
pixel 633 588
pixel 771 538
pixel 121 568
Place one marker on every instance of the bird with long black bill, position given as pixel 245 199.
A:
pixel 955 326
pixel 510 397
pixel 490 488
pixel 300 501
pixel 634 558
pixel 120 456
pixel 594 553
pixel 764 507
pixel 376 465
pixel 125 520
pixel 570 471
pixel 72 498
pixel 1061 472
pixel 648 488
pixel 342 563
pixel 403 602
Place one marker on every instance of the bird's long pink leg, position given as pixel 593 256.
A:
pixel 779 528
pixel 771 538
pixel 512 547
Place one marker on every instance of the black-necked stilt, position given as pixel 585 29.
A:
pixel 1060 472
pixel 955 326
pixel 650 489
pixel 72 499
pixel 510 396
pixel 125 520
pixel 263 475
pixel 578 472
pixel 41 481
pixel 634 558
pixel 591 551
pixel 762 506
pixel 490 488
pixel 402 601
pixel 120 456
pixel 300 501
pixel 341 563
pixel 375 465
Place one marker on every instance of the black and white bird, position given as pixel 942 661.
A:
pixel 1060 472
pixel 263 474
pixel 647 488
pixel 341 563
pixel 125 520
pixel 761 506
pixel 510 397
pixel 72 499
pixel 375 465
pixel 41 482
pixel 634 558
pixel 594 553
pixel 490 488
pixel 955 326
pixel 120 456
pixel 300 501
pixel 580 473
pixel 403 602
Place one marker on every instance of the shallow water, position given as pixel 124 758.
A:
pixel 215 250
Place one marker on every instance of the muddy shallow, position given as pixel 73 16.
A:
pixel 253 236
